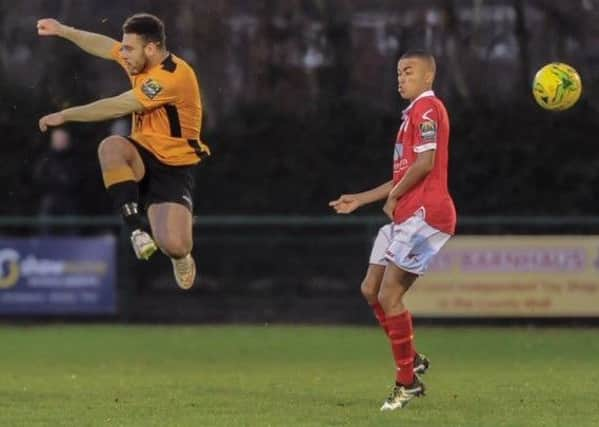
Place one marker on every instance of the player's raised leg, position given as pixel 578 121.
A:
pixel 122 169
pixel 172 228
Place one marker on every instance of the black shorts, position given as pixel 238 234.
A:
pixel 165 183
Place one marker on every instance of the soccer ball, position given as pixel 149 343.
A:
pixel 557 86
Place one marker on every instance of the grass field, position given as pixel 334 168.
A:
pixel 288 376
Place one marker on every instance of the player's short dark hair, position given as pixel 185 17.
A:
pixel 420 54
pixel 147 26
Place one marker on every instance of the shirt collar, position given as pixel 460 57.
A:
pixel 422 95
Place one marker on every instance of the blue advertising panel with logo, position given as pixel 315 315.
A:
pixel 58 275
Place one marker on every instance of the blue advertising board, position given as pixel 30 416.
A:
pixel 57 275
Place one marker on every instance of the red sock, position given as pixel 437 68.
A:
pixel 379 313
pixel 401 335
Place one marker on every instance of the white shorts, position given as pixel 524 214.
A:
pixel 411 245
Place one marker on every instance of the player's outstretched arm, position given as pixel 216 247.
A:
pixel 104 109
pixel 95 44
pixel 347 203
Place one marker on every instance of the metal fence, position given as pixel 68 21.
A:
pixel 265 268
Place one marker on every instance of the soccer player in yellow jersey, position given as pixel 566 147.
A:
pixel 157 161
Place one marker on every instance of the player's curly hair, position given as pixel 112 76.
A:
pixel 147 26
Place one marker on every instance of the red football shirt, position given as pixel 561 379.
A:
pixel 425 127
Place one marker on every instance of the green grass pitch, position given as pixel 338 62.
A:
pixel 292 376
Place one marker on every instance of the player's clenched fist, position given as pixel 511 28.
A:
pixel 49 27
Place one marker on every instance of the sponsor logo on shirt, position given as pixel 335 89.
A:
pixel 401 165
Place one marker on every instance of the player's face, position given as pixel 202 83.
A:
pixel 413 77
pixel 133 52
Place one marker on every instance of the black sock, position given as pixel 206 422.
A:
pixel 125 196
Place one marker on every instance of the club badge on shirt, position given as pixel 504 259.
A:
pixel 151 88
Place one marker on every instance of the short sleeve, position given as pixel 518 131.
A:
pixel 426 124
pixel 155 91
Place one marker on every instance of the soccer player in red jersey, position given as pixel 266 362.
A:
pixel 423 219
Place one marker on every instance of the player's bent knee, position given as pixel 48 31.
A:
pixel 370 291
pixel 111 146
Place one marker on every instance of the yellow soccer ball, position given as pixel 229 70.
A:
pixel 557 86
